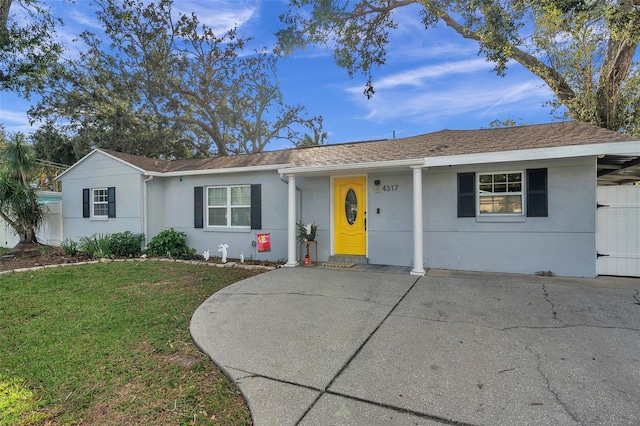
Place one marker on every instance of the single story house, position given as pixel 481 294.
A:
pixel 517 199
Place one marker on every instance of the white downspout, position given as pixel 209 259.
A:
pixel 291 224
pixel 418 255
pixel 145 209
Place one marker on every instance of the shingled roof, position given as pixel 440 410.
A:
pixel 442 143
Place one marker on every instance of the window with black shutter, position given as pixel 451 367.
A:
pixel 466 195
pixel 99 202
pixel 537 193
pixel 256 206
pixel 198 207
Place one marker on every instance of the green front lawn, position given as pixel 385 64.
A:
pixel 109 344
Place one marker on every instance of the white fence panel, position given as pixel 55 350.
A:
pixel 619 231
pixel 50 231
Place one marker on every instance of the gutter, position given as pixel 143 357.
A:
pixel 145 210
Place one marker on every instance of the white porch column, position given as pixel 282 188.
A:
pixel 291 224
pixel 418 256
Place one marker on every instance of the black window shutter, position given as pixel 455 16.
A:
pixel 537 198
pixel 86 202
pixel 256 206
pixel 111 201
pixel 467 194
pixel 198 198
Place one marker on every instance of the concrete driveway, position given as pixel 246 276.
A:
pixel 319 346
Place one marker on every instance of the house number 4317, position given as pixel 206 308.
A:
pixel 389 187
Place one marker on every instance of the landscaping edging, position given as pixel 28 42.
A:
pixel 190 262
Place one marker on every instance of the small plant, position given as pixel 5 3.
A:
pixel 307 232
pixel 125 244
pixel 69 247
pixel 95 246
pixel 170 242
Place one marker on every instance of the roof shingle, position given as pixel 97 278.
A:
pixel 442 143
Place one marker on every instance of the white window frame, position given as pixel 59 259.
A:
pixel 95 203
pixel 520 193
pixel 228 207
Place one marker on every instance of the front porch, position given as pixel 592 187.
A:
pixel 414 196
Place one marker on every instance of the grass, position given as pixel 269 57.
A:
pixel 110 344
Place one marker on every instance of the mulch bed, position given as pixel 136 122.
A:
pixel 32 259
pixel 49 255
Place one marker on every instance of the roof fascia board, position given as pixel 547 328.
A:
pixel 351 166
pixel 610 148
pixel 91 154
pixel 227 170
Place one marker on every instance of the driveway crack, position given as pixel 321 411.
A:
pixel 550 388
pixel 547 298
pixel 357 351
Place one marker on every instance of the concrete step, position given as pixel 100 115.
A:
pixel 358 260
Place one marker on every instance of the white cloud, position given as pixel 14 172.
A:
pixel 16 121
pixel 220 15
pixel 84 18
pixel 425 50
pixel 420 76
pixel 481 99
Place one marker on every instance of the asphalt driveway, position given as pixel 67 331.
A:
pixel 318 346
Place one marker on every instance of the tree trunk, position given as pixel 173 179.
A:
pixel 28 236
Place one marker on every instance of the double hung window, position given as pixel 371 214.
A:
pixel 503 194
pixel 100 202
pixel 500 193
pixel 229 206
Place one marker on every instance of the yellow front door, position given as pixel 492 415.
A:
pixel 349 215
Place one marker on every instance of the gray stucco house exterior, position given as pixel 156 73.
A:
pixel 518 200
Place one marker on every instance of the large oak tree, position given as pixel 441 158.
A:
pixel 168 86
pixel 582 49
pixel 27 44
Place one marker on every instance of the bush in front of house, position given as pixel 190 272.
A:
pixel 125 244
pixel 121 244
pixel 95 246
pixel 170 243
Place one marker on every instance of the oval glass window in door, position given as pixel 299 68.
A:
pixel 351 206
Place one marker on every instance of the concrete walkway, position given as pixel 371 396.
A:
pixel 318 346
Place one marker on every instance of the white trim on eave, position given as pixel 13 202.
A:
pixel 351 166
pixel 91 154
pixel 226 170
pixel 610 148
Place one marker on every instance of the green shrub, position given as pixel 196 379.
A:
pixel 125 244
pixel 96 245
pixel 69 247
pixel 170 242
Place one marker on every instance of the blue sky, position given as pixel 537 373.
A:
pixel 432 80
